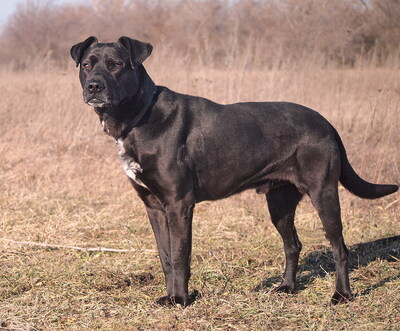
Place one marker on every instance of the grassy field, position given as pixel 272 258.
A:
pixel 61 183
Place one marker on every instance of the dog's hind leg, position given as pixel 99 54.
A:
pixel 325 199
pixel 282 203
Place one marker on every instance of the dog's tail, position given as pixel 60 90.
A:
pixel 354 183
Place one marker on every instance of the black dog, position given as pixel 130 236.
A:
pixel 179 149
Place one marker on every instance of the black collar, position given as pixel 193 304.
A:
pixel 128 123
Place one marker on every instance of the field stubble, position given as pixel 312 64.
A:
pixel 61 183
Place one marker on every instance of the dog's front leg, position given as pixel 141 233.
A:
pixel 172 226
pixel 159 223
pixel 179 216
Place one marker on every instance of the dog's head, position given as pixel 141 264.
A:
pixel 108 71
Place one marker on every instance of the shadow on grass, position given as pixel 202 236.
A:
pixel 321 262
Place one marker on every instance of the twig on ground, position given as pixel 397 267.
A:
pixel 86 249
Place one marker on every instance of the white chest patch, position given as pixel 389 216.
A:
pixel 131 167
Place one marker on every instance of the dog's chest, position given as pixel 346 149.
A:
pixel 131 167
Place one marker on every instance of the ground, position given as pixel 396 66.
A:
pixel 61 183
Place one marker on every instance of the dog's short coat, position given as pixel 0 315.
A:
pixel 178 150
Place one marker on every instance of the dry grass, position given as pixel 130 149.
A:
pixel 61 183
pixel 213 32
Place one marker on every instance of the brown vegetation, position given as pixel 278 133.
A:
pixel 61 181
pixel 211 32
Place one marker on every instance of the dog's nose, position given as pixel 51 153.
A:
pixel 95 86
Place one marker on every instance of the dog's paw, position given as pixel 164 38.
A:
pixel 341 298
pixel 171 301
pixel 285 288
pixel 165 301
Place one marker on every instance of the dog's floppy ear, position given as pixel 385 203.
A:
pixel 78 49
pixel 139 50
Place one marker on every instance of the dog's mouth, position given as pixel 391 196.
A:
pixel 98 103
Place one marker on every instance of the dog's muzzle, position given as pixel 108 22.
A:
pixel 94 93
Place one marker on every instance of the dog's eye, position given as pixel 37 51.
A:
pixel 118 65
pixel 87 66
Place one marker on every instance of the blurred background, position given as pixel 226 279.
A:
pixel 210 32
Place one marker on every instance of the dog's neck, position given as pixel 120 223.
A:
pixel 118 121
